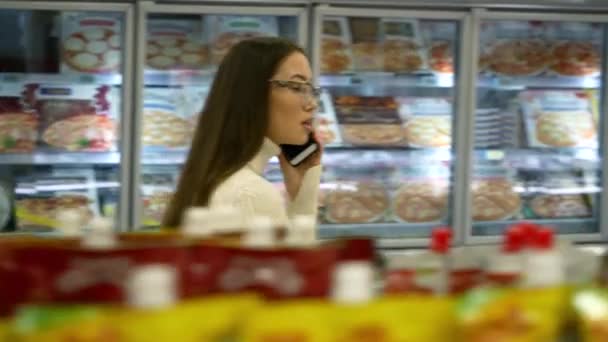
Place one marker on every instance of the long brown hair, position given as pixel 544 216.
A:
pixel 232 124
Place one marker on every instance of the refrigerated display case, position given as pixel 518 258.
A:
pixel 63 95
pixel 180 48
pixel 387 112
pixel 537 125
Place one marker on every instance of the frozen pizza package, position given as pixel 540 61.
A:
pixel 427 121
pixel 225 31
pixel 18 124
pixel 327 128
pixel 495 194
pixel 555 197
pixel 558 119
pixel 157 189
pixel 441 46
pixel 336 41
pixel 367 48
pixel 369 120
pixel 91 43
pixel 54 192
pixel 403 49
pixel 75 117
pixel 356 201
pixel 576 48
pixel 170 116
pixel 175 45
pixel 516 48
pixel 421 194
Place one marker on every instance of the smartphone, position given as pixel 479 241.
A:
pixel 296 154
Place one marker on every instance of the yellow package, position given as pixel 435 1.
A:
pixel 292 321
pixel 591 306
pixel 512 315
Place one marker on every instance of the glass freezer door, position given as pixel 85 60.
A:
pixel 537 123
pixel 183 46
pixel 386 118
pixel 61 89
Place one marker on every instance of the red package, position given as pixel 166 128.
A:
pixel 18 126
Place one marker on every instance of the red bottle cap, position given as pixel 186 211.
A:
pixel 544 238
pixel 440 240
pixel 529 233
pixel 513 239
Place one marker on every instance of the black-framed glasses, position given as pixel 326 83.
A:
pixel 304 89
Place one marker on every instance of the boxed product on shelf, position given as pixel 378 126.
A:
pixel 367 46
pixel 18 125
pixel 427 121
pixel 75 117
pixel 175 45
pixel 326 123
pixel 495 128
pixel 53 192
pixel 224 31
pixel 169 116
pixel 555 196
pixel 358 201
pixel 494 194
pixel 402 45
pixel 575 49
pixel 441 45
pixel 422 194
pixel 157 188
pixel 91 43
pixel 336 42
pixel 558 119
pixel 367 120
pixel 514 48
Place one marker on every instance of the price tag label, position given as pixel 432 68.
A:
pixel 495 155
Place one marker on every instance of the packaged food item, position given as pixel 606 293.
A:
pixel 228 30
pixel 402 45
pixel 558 119
pixel 427 121
pixel 515 48
pixel 367 47
pixel 168 117
pixel 91 43
pixel 493 195
pixel 369 120
pixel 326 123
pixel 595 105
pixel 18 125
pixel 54 192
pixel 336 41
pixel 422 195
pixel 74 118
pixel 356 202
pixel 441 37
pixel 158 184
pixel 576 48
pixel 175 44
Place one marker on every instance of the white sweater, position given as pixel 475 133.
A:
pixel 249 192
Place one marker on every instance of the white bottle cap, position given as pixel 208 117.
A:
pixel 152 287
pixel 260 232
pixel 302 231
pixel 353 282
pixel 70 222
pixel 225 220
pixel 100 234
pixel 195 222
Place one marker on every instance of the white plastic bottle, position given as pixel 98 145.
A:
pixel 195 222
pixel 152 287
pixel 505 268
pixel 353 283
pixel 100 234
pixel 225 221
pixel 302 232
pixel 544 266
pixel 260 232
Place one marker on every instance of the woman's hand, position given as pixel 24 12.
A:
pixel 293 175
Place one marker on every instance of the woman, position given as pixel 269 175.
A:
pixel 261 97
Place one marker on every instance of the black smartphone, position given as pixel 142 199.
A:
pixel 296 154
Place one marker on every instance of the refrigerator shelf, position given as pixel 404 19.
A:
pixel 42 157
pixel 563 226
pixel 545 82
pixel 377 230
pixel 64 78
pixel 534 157
pixel 387 79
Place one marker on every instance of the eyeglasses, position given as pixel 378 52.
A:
pixel 306 90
